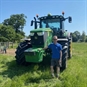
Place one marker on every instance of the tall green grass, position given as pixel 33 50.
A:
pixel 35 75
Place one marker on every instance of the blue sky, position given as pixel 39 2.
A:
pixel 77 9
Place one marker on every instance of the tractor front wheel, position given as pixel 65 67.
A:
pixel 20 57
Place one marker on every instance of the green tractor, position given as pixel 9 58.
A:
pixel 45 28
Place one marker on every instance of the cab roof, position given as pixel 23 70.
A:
pixel 51 17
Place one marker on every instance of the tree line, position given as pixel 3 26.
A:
pixel 11 29
pixel 78 37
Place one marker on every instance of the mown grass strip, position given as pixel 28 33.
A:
pixel 12 75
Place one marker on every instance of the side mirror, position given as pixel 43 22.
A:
pixel 70 19
pixel 32 23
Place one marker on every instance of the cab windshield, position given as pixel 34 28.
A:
pixel 50 23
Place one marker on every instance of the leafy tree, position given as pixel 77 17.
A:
pixel 83 36
pixel 86 39
pixel 28 36
pixel 21 33
pixel 7 33
pixel 18 37
pixel 76 36
pixel 17 21
pixel 3 39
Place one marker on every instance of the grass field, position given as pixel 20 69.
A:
pixel 12 75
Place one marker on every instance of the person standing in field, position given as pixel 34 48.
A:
pixel 5 49
pixel 56 56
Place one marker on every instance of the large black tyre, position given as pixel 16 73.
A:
pixel 20 57
pixel 64 57
pixel 69 48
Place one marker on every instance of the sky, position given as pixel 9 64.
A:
pixel 77 9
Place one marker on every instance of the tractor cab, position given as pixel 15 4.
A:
pixel 54 22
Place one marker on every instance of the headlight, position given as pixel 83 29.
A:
pixel 31 34
pixel 40 33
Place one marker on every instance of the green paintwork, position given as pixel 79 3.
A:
pixel 34 55
pixel 48 40
pixel 41 30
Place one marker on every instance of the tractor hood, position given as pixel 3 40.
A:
pixel 40 37
pixel 40 30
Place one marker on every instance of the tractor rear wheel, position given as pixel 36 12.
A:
pixel 69 48
pixel 64 57
pixel 20 57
